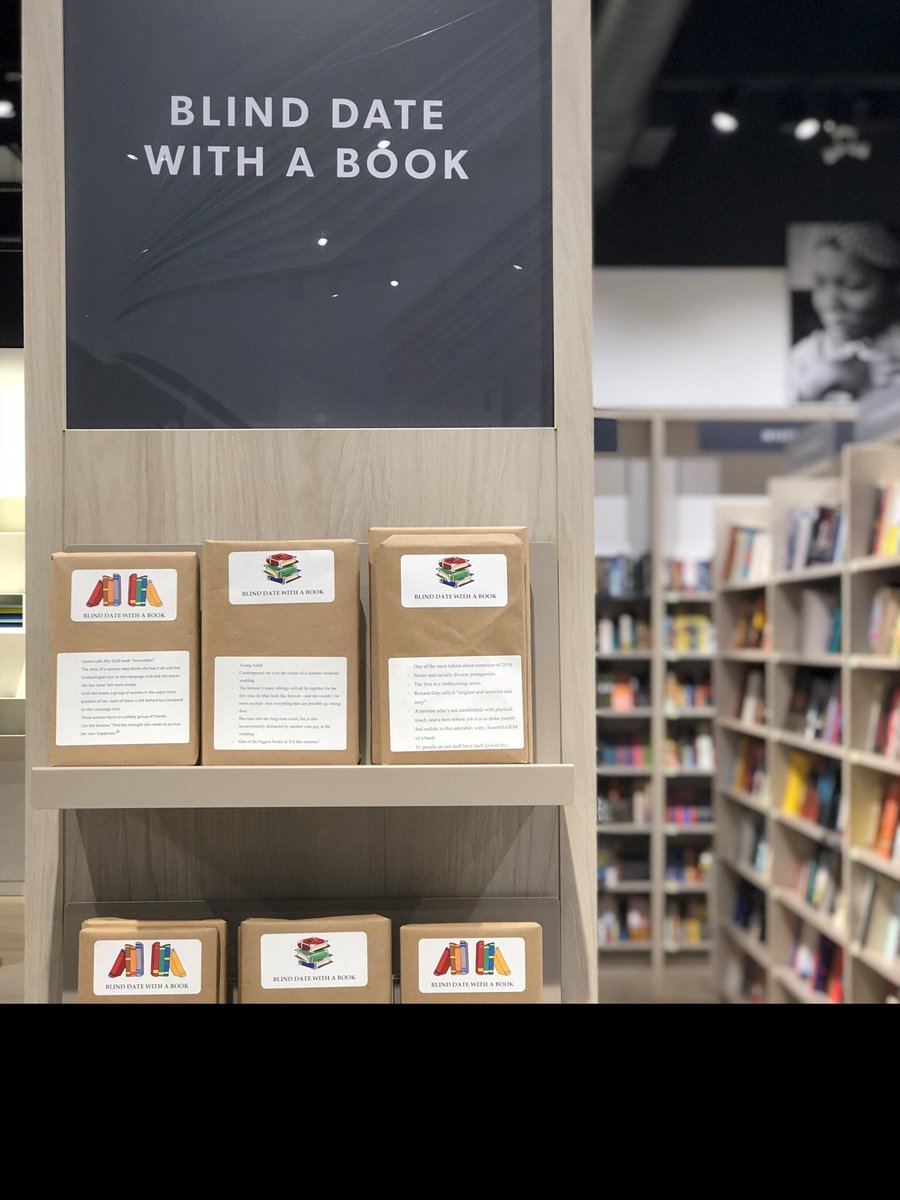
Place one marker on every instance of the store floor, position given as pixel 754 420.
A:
pixel 617 985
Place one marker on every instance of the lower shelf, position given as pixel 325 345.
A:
pixel 534 785
pixel 798 987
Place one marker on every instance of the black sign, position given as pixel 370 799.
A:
pixel 606 435
pixel 296 213
pixel 748 437
pixel 817 441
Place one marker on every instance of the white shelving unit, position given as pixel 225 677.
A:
pixel 867 974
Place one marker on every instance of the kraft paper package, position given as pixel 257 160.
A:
pixel 472 963
pixel 325 960
pixel 123 961
pixel 280 652
pixel 451 646
pixel 124 648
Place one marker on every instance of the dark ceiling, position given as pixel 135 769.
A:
pixel 685 195
pixel 706 199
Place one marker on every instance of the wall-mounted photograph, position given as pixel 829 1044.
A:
pixel 845 310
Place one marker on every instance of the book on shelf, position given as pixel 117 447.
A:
pixel 890 947
pixel 749 773
pixel 690 752
pixel 621 576
pixel 744 977
pixel 623 919
pixel 815 537
pixel 884 532
pixel 689 633
pixel 814 708
pixel 748 556
pixel 684 806
pixel 686 921
pixel 883 835
pixel 749 910
pixel 623 632
pixel 637 918
pixel 623 860
pixel 812 789
pixel 883 632
pixel 687 575
pixel 751 630
pixel 818 961
pixel 752 708
pixel 624 750
pixel 866 907
pixel 819 628
pixel 686 693
pixel 687 864
pixel 883 728
pixel 817 880
pixel 621 691
pixel 624 801
pixel 751 846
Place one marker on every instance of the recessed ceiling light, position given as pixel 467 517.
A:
pixel 806 128
pixel 725 121
pixel 323 241
pixel 7 109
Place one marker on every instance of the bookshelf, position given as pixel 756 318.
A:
pixel 852 919
pixel 12 695
pixel 652 495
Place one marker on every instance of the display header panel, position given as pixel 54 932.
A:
pixel 295 214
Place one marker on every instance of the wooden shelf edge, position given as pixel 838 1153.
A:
pixel 828 837
pixel 362 786
pixel 820 921
pixel 798 987
pixel 868 858
pixel 882 966
pixel 750 945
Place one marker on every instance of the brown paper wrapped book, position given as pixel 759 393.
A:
pixel 124 961
pixel 451 653
pixel 280 652
pixel 325 960
pixel 124 675
pixel 484 962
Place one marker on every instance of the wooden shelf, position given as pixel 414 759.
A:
pixel 751 946
pixel 733 998
pixel 687 947
pixel 887 969
pixel 737 655
pixel 613 772
pixel 873 662
pixel 672 888
pixel 689 714
pixel 878 762
pixel 689 772
pixel 689 597
pixel 706 828
pixel 623 655
pixel 625 947
pixel 790 658
pixel 868 858
pixel 812 745
pixel 751 729
pixel 812 916
pixel 624 828
pixel 874 562
pixel 828 837
pixel 471 786
pixel 807 574
pixel 640 887
pixel 745 585
pixel 674 656
pixel 745 798
pixel 747 872
pixel 798 988
pixel 622 714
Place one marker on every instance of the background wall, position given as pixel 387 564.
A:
pixel 690 337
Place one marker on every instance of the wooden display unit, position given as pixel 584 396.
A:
pixel 531 835
pixel 12 699
pixel 864 878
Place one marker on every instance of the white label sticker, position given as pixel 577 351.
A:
pixel 456 703
pixel 125 594
pixel 124 967
pixel 281 576
pixel 280 704
pixel 123 698
pixel 453 580
pixel 472 964
pixel 312 959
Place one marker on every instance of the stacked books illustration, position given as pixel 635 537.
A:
pixel 11 612
pixel 313 953
pixel 455 572
pixel 488 959
pixel 108 592
pixel 282 568
pixel 164 961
